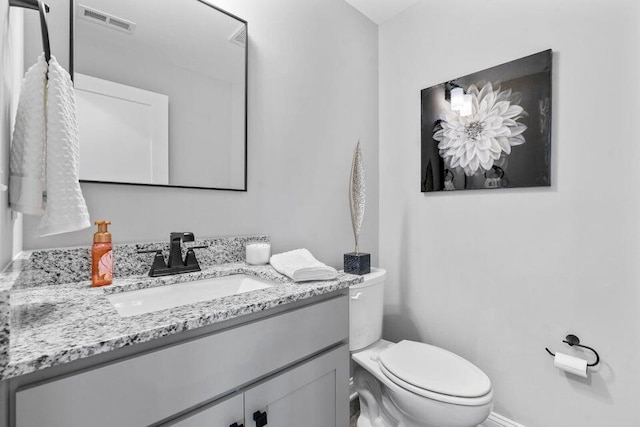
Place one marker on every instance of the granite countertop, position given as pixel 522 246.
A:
pixel 53 325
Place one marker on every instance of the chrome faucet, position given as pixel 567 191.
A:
pixel 175 263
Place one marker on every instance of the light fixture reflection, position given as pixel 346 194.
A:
pixel 457 98
pixel 467 106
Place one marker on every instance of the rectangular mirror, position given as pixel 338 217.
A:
pixel 161 88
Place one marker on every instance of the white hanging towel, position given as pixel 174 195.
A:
pixel 26 180
pixel 65 208
pixel 301 266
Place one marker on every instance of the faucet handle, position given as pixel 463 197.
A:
pixel 198 247
pixel 190 258
pixel 158 260
pixel 149 251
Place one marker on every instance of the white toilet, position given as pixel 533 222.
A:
pixel 409 384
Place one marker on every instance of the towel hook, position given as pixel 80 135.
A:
pixel 40 6
pixel 573 340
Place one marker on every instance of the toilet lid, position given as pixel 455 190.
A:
pixel 435 369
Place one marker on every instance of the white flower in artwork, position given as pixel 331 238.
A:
pixel 478 140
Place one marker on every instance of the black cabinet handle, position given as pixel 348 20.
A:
pixel 236 425
pixel 260 418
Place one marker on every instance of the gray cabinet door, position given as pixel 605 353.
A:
pixel 315 394
pixel 222 414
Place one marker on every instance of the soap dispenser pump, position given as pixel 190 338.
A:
pixel 101 256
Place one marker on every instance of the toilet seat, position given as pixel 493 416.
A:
pixel 435 373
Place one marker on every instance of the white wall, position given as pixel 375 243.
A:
pixel 11 52
pixel 313 92
pixel 496 276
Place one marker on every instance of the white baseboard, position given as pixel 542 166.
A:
pixel 496 420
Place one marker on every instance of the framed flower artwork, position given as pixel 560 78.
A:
pixel 490 129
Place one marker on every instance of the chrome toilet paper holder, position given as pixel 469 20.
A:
pixel 573 340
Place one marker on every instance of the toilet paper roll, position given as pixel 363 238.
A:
pixel 573 365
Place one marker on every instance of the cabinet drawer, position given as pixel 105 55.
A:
pixel 145 389
pixel 221 414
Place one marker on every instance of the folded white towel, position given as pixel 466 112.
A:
pixel 65 208
pixel 301 266
pixel 26 180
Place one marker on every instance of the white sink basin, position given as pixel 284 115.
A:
pixel 133 303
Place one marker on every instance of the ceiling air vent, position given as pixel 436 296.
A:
pixel 105 19
pixel 240 36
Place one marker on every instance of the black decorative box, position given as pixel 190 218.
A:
pixel 357 263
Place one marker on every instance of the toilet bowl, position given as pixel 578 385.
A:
pixel 409 384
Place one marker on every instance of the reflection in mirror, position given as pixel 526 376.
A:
pixel 161 92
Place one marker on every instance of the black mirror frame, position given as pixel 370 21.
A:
pixel 72 7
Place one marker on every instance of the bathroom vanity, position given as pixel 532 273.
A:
pixel 272 356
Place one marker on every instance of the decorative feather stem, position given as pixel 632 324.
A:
pixel 357 193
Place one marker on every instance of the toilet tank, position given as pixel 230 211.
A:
pixel 365 310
